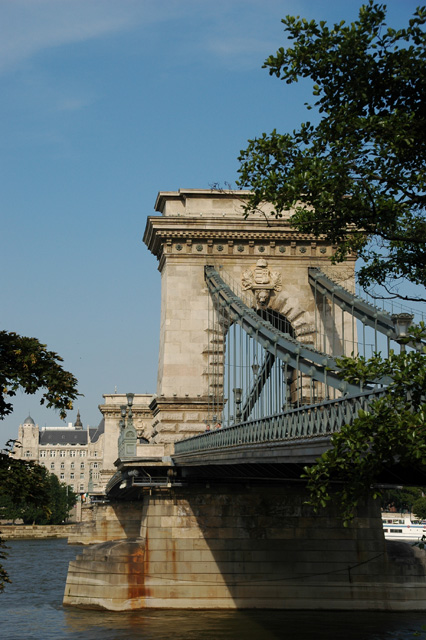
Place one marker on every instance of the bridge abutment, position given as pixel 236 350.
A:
pixel 229 546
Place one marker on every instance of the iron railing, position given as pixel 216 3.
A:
pixel 309 421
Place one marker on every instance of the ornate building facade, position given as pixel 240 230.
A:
pixel 72 453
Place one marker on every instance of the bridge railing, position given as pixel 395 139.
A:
pixel 309 421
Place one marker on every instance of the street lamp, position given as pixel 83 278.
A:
pixel 237 400
pixel 401 323
pixel 128 436
pixel 255 367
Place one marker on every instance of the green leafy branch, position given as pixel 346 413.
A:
pixel 26 364
pixel 391 433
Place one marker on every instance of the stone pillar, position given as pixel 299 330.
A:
pixel 177 418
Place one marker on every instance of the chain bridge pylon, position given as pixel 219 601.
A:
pixel 270 264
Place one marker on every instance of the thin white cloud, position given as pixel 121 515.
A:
pixel 239 34
pixel 33 90
pixel 226 46
pixel 73 103
pixel 225 27
pixel 230 33
pixel 30 26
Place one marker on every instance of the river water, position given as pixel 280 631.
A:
pixel 31 609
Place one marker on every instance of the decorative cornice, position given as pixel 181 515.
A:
pixel 174 403
pixel 166 235
pixel 114 410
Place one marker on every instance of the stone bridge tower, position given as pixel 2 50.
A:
pixel 205 227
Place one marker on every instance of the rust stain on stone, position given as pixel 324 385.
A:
pixel 136 574
pixel 173 558
pixel 146 555
pixel 104 530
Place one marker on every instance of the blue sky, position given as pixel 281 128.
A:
pixel 105 103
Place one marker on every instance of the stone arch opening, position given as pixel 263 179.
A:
pixel 277 319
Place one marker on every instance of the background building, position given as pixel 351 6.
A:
pixel 72 453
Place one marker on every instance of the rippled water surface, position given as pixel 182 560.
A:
pixel 31 609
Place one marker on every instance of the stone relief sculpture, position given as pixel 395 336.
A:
pixel 262 282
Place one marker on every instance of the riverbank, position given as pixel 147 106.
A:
pixel 35 532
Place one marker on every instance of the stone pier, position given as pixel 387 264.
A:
pixel 229 547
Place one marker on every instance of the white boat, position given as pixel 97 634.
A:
pixel 402 527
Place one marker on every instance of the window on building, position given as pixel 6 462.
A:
pixel 52 465
pixel 81 476
pixel 72 465
pixel 83 454
pixel 62 465
pixel 62 476
pixel 95 465
pixel 63 453
pixel 28 454
pixel 82 487
pixel 42 454
pixel 73 453
pixel 52 453
pixel 81 465
pixel 72 487
pixel 95 454
pixel 72 475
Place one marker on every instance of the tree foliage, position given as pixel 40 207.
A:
pixel 419 508
pixel 26 364
pixel 27 490
pixel 358 177
pixel 21 481
pixel 391 433
pixel 30 492
pixel 4 577
pixel 59 502
pixel 400 499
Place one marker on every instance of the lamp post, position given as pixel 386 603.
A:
pixel 128 436
pixel 255 367
pixel 237 401
pixel 402 322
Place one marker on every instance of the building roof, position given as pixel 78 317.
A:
pixel 71 435
pixel 63 436
pixel 96 432
pixel 28 420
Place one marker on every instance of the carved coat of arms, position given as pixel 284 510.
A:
pixel 262 282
